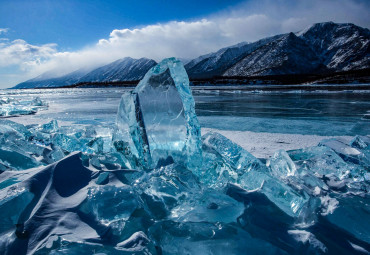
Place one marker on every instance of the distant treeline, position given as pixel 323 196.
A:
pixel 348 77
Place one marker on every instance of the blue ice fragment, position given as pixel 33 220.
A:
pixel 160 117
pixel 207 238
pixel 170 183
pixel 66 142
pixel 11 106
pixel 10 110
pixel 348 153
pixel 208 206
pixel 53 155
pixel 8 125
pixel 89 131
pixel 96 144
pixel 14 158
pixel 361 142
pixel 50 127
pixel 179 192
pixel 251 174
pixel 281 164
pixel 110 202
pixel 320 161
pixel 232 154
pixel 37 102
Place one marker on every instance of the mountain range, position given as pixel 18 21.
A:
pixel 322 48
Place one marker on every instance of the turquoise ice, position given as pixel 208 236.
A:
pixel 160 117
pixel 251 174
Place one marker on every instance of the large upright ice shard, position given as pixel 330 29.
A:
pixel 160 117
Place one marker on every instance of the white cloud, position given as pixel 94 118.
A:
pixel 187 39
pixel 3 30
pixel 19 52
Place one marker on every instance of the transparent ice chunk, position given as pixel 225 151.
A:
pixel 37 102
pixel 207 238
pixel 13 107
pixel 16 159
pixel 251 174
pixel 361 142
pixel 209 206
pixel 161 118
pixel 15 126
pixel 281 164
pixel 110 203
pixel 348 153
pixel 50 127
pixel 320 161
pixel 66 142
pixel 10 110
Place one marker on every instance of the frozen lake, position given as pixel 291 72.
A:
pixel 310 113
pixel 306 199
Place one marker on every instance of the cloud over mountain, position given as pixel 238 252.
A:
pixel 249 21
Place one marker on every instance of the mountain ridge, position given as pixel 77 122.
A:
pixel 326 47
pixel 127 68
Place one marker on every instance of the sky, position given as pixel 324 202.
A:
pixel 51 38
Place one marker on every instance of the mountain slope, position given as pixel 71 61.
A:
pixel 324 47
pixel 341 47
pixel 64 80
pixel 126 69
pixel 286 55
pixel 216 63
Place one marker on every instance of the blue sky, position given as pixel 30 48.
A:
pixel 59 36
pixel 74 24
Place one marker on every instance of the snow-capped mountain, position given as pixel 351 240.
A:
pixel 340 47
pixel 288 54
pixel 216 63
pixel 126 69
pixel 64 80
pixel 323 47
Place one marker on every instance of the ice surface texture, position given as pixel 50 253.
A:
pixel 160 115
